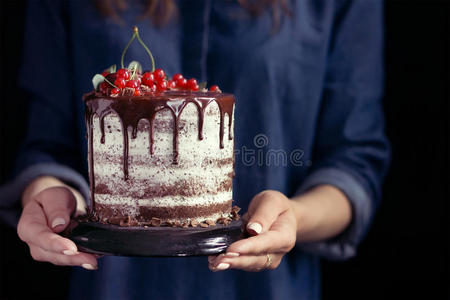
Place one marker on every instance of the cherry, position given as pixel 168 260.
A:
pixel 171 84
pixel 123 73
pixel 133 84
pixel 195 88
pixel 214 88
pixel 191 84
pixel 177 76
pixel 159 74
pixel 148 78
pixel 181 83
pixel 115 91
pixel 161 85
pixel 120 83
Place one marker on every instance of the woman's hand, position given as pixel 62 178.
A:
pixel 276 223
pixel 48 205
pixel 273 229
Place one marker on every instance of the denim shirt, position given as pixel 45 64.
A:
pixel 308 112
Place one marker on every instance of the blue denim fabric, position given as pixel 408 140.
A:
pixel 308 112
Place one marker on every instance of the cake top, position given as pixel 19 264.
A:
pixel 168 95
pixel 132 81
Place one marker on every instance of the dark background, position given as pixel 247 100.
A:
pixel 405 255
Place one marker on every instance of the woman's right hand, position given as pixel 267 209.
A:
pixel 47 207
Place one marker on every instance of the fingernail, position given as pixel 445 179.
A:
pixel 88 267
pixel 222 266
pixel 57 222
pixel 256 227
pixel 232 254
pixel 70 252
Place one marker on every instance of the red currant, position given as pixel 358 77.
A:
pixel 191 84
pixel 133 84
pixel 104 73
pixel 152 88
pixel 148 79
pixel 120 83
pixel 195 88
pixel 103 88
pixel 137 92
pixel 115 91
pixel 123 73
pixel 214 88
pixel 181 83
pixel 171 84
pixel 159 74
pixel 177 77
pixel 161 85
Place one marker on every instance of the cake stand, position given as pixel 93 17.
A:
pixel 105 239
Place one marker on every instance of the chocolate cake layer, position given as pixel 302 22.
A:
pixel 171 214
pixel 168 156
pixel 185 188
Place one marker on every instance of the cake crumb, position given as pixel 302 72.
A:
pixel 221 220
pixel 204 225
pixel 113 220
pixel 133 222
pixel 194 223
pixel 224 221
pixel 125 222
pixel 210 222
pixel 235 213
pixel 156 222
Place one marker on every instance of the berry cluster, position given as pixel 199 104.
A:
pixel 132 83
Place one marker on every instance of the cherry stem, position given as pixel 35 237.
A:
pixel 136 35
pixel 126 48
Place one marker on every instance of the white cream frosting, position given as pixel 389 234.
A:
pixel 198 159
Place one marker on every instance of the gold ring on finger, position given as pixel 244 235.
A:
pixel 268 261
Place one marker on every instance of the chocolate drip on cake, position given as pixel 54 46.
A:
pixel 130 110
pixel 225 107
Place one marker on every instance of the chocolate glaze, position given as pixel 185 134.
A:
pixel 131 110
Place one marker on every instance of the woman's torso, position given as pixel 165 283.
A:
pixel 277 79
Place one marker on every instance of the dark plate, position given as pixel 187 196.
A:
pixel 106 239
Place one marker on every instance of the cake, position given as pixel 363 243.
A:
pixel 160 148
pixel 161 158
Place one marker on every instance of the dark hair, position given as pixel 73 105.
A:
pixel 161 12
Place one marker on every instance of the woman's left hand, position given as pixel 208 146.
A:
pixel 273 229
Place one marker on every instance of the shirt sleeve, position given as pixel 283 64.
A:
pixel 351 151
pixel 11 192
pixel 51 145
